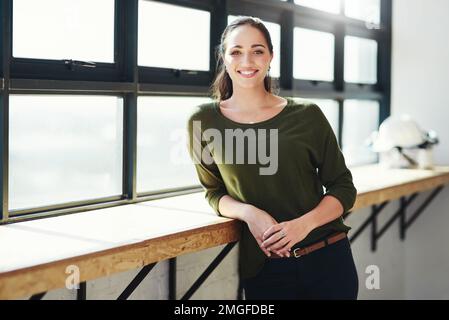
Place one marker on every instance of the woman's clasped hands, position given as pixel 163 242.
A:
pixel 274 237
pixel 281 237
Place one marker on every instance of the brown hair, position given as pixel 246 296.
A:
pixel 221 88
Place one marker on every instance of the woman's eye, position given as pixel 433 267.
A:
pixel 257 51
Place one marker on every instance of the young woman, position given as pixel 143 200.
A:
pixel 294 243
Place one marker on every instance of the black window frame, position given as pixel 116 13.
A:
pixel 172 76
pixel 31 68
pixel 126 79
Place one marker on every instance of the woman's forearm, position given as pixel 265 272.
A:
pixel 231 208
pixel 326 211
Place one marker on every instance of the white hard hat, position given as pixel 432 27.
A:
pixel 397 131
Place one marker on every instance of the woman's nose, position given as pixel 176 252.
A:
pixel 247 58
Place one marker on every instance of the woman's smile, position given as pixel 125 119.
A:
pixel 248 74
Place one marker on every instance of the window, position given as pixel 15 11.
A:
pixel 80 30
pixel 367 10
pixel 173 37
pixel 84 136
pixel 361 118
pixel 313 54
pixel 332 6
pixel 330 110
pixel 64 148
pixel 162 158
pixel 360 60
pixel 275 33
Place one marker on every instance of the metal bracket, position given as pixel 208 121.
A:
pixel 208 270
pixel 401 213
pixel 136 281
pixel 80 293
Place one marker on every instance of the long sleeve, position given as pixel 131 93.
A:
pixel 332 169
pixel 208 174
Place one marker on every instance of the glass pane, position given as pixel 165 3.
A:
pixel 361 118
pixel 360 60
pixel 64 148
pixel 330 110
pixel 64 29
pixel 171 36
pixel 313 53
pixel 332 6
pixel 367 10
pixel 275 33
pixel 162 158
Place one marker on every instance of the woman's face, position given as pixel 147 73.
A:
pixel 247 50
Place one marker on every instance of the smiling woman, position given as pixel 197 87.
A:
pixel 285 210
pixel 275 34
pixel 249 60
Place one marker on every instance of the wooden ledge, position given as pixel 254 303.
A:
pixel 34 254
pixel 376 184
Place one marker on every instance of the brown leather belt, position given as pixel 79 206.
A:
pixel 298 252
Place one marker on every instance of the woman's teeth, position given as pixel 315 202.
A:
pixel 248 74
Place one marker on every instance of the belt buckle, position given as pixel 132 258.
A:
pixel 297 255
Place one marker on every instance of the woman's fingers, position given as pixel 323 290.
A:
pixel 285 250
pixel 275 237
pixel 268 253
pixel 278 245
pixel 271 230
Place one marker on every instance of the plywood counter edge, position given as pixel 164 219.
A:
pixel 52 275
pixel 379 195
pixel 44 277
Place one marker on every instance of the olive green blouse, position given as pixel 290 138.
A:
pixel 308 158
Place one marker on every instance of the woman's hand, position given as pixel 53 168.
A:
pixel 258 222
pixel 281 237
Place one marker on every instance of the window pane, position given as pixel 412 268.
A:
pixel 332 6
pixel 64 148
pixel 162 158
pixel 360 60
pixel 330 110
pixel 171 36
pixel 361 118
pixel 275 33
pixel 367 10
pixel 64 29
pixel 313 53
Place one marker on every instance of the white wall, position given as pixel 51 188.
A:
pixel 420 87
pixel 418 267
pixel 420 66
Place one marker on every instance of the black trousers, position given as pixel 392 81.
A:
pixel 324 274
